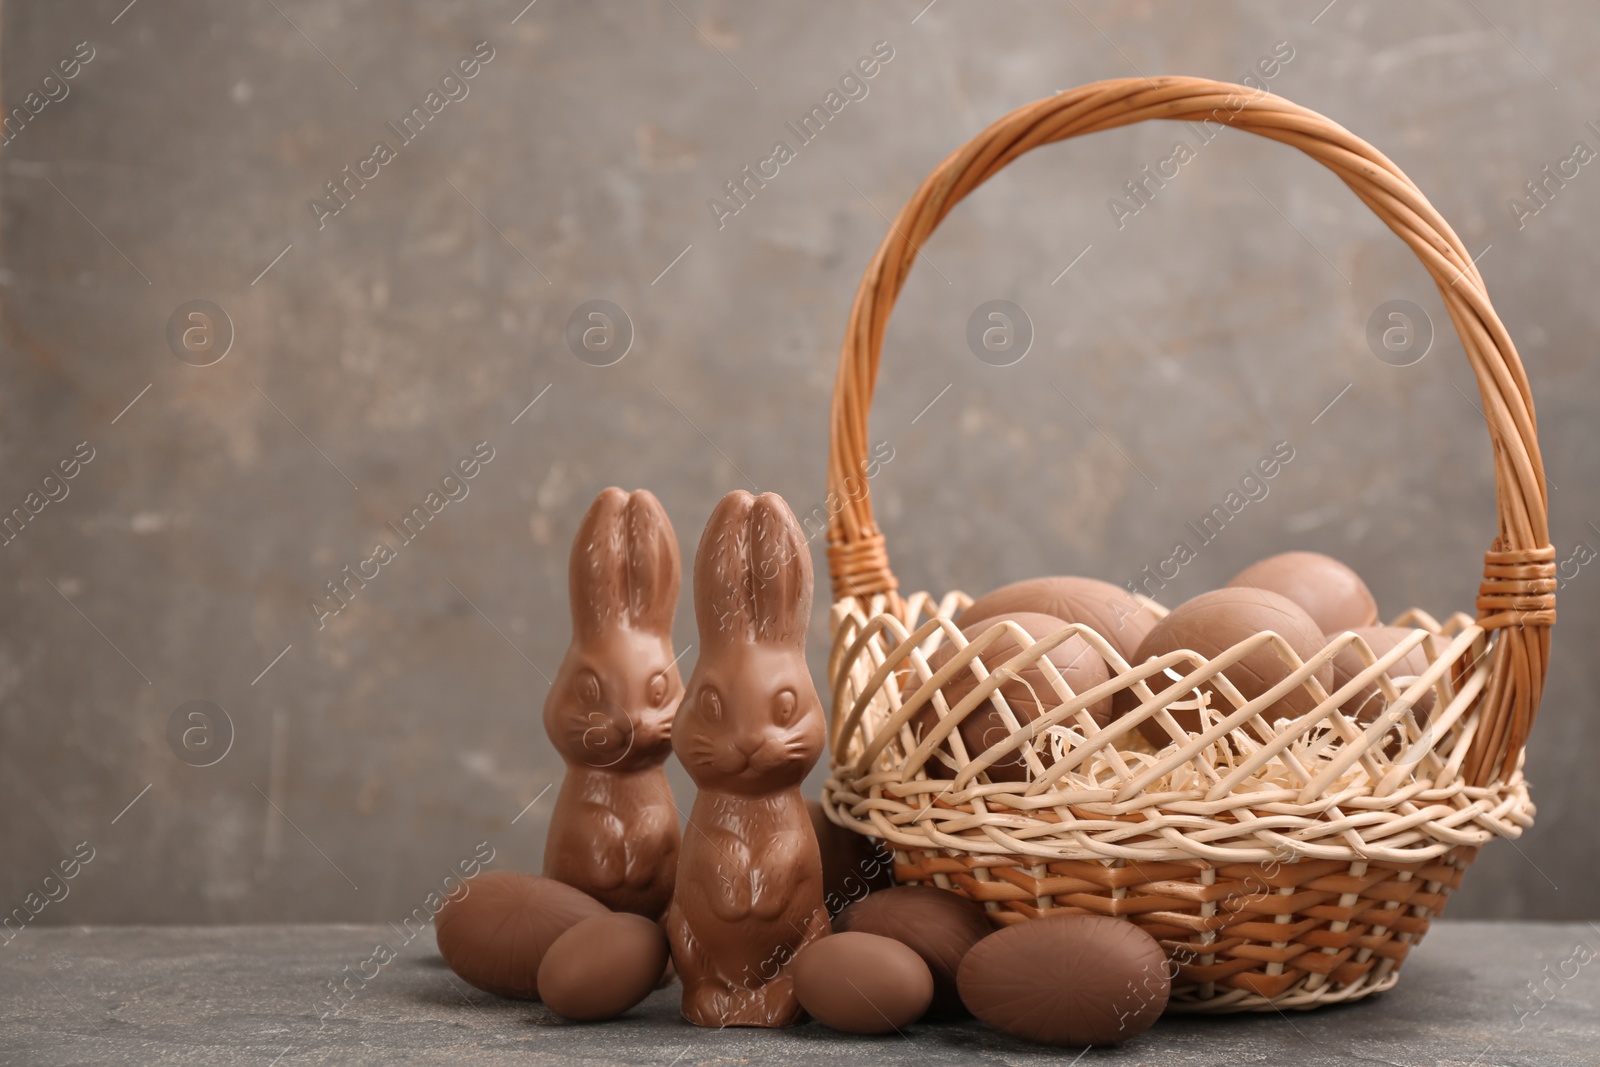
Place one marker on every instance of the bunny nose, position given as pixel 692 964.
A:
pixel 748 746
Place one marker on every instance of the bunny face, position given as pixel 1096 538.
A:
pixel 614 701
pixel 751 722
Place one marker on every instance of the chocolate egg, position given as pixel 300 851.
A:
pixel 1081 668
pixel 862 983
pixel 603 966
pixel 934 923
pixel 495 935
pixel 1068 980
pixel 1331 593
pixel 1212 623
pixel 1368 702
pixel 1115 614
pixel 853 864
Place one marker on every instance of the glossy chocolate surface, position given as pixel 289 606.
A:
pixel 1028 695
pixel 1068 980
pixel 1210 624
pixel 496 933
pixel 934 923
pixel 614 831
pixel 862 983
pixel 602 966
pixel 1330 592
pixel 1114 613
pixel 1368 702
pixel 853 864
pixel 749 891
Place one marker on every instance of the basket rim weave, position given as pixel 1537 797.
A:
pixel 1321 786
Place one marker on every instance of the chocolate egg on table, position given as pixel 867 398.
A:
pixel 1209 625
pixel 496 934
pixel 853 864
pixel 603 966
pixel 1368 702
pixel 1115 614
pixel 1068 980
pixel 862 983
pixel 1331 593
pixel 934 923
pixel 1080 666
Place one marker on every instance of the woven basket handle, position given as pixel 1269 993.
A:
pixel 1517 596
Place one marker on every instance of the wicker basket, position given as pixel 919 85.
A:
pixel 1282 865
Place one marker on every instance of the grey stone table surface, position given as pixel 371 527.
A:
pixel 1475 995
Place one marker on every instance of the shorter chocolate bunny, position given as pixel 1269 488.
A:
pixel 749 893
pixel 614 831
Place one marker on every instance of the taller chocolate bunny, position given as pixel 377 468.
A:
pixel 614 832
pixel 750 882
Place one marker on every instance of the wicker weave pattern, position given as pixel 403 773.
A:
pixel 1242 937
pixel 1282 864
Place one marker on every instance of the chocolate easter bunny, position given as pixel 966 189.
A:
pixel 614 831
pixel 749 893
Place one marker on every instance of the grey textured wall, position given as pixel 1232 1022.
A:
pixel 374 348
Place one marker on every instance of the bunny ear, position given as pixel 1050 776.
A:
pixel 596 581
pixel 722 605
pixel 781 572
pixel 752 573
pixel 624 569
pixel 653 571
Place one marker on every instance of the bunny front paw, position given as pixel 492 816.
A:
pixel 731 896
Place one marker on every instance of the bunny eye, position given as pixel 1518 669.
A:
pixel 784 707
pixel 711 703
pixel 589 688
pixel 658 690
